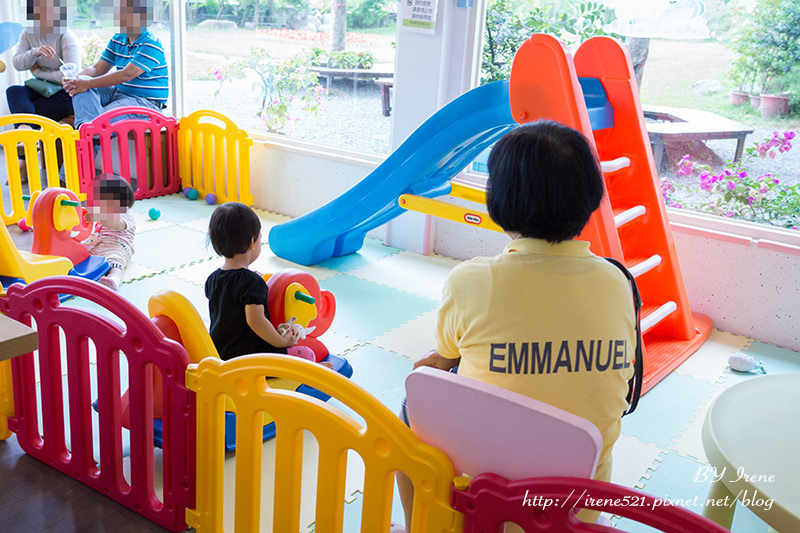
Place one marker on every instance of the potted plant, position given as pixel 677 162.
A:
pixel 743 74
pixel 770 40
pixel 745 68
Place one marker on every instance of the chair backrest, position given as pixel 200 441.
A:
pixel 484 428
pixel 547 504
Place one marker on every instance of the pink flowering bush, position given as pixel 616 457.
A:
pixel 284 85
pixel 315 36
pixel 734 192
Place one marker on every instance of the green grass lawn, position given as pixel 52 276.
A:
pixel 672 68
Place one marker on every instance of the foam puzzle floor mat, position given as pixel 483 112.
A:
pixel 385 319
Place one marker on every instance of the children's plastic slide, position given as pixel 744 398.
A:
pixel 423 165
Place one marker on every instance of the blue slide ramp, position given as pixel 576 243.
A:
pixel 423 165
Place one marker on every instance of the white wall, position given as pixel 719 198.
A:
pixel 747 288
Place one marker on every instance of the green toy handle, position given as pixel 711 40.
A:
pixel 303 297
pixel 64 202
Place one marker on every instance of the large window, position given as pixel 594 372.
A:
pixel 310 71
pixel 694 56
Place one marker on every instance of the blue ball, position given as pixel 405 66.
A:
pixel 211 198
pixel 191 194
pixel 153 213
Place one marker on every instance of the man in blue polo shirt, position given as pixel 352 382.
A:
pixel 141 77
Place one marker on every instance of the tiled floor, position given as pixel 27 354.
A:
pixel 385 317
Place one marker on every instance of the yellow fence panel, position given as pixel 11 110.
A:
pixel 53 142
pixel 214 157
pixel 383 442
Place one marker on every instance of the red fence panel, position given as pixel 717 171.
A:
pixel 66 334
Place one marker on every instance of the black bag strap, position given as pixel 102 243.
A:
pixel 635 383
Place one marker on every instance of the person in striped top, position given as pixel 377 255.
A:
pixel 141 77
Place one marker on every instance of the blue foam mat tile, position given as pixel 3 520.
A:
pixel 170 247
pixel 372 251
pixel 776 361
pixel 139 292
pixel 666 408
pixel 365 310
pixel 678 480
pixel 746 521
pixel 382 373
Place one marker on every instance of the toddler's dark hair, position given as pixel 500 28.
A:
pixel 107 186
pixel 232 228
pixel 544 182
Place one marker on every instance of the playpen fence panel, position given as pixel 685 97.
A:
pixel 214 158
pixel 145 349
pixel 153 141
pixel 54 139
pixel 385 445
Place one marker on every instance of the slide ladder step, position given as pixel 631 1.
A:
pixel 645 266
pixel 652 318
pixel 615 164
pixel 629 215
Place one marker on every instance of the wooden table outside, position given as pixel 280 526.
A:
pixel 677 124
pixel 354 74
pixel 751 437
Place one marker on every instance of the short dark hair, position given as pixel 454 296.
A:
pixel 233 226
pixel 544 181
pixel 59 11
pixel 112 186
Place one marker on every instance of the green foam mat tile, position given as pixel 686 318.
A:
pixel 169 247
pixel 689 441
pixel 269 263
pixel 370 252
pixel 381 373
pixel 410 272
pixel 174 208
pixel 412 339
pixel 664 410
pixel 365 310
pixel 678 480
pixel 139 292
pixel 776 361
pixel 197 272
pixel 710 361
pixel 633 460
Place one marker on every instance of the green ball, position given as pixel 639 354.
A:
pixel 153 213
pixel 192 194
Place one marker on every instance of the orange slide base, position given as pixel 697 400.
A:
pixel 665 354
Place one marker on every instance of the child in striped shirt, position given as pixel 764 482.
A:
pixel 115 225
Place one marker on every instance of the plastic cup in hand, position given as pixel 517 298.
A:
pixel 69 70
